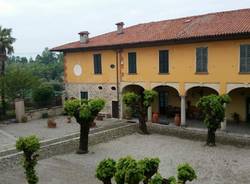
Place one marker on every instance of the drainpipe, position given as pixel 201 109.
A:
pixel 117 78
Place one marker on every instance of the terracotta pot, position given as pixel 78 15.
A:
pixel 177 119
pixel 155 117
pixel 51 123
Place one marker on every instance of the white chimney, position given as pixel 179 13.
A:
pixel 84 36
pixel 119 27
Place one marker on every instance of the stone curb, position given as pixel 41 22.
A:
pixel 68 146
pixel 13 150
pixel 200 135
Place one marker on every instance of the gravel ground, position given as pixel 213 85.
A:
pixel 214 165
pixel 10 132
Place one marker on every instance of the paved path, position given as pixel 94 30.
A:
pixel 217 165
pixel 10 132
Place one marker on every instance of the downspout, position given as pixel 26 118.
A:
pixel 117 78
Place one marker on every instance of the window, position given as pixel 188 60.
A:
pixel 97 64
pixel 84 95
pixel 201 59
pixel 132 63
pixel 245 58
pixel 163 61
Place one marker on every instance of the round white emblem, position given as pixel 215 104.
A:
pixel 77 70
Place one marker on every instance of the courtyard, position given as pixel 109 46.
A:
pixel 221 164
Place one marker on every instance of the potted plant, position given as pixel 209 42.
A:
pixel 177 119
pixel 128 113
pixel 106 170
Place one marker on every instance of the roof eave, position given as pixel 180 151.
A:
pixel 229 36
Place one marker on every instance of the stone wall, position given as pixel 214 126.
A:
pixel 37 113
pixel 103 91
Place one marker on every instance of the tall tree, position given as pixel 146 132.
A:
pixel 6 48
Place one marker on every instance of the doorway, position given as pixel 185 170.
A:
pixel 115 109
pixel 248 109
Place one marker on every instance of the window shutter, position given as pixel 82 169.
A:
pixel 201 59
pixel 132 62
pixel 163 61
pixel 97 64
pixel 245 58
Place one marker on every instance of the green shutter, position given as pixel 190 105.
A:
pixel 132 63
pixel 163 61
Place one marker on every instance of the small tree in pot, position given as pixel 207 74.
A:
pixel 213 109
pixel 150 167
pixel 84 112
pixel 106 170
pixel 29 145
pixel 140 104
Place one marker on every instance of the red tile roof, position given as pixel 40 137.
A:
pixel 209 25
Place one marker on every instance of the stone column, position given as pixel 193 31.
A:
pixel 19 109
pixel 224 123
pixel 150 114
pixel 183 111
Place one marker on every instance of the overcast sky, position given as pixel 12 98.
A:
pixel 48 23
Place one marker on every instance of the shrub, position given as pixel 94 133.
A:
pixel 106 170
pixel 185 173
pixel 134 175
pixel 43 94
pixel 122 166
pixel 157 179
pixel 150 167
pixel 45 115
pixel 24 119
pixel 29 145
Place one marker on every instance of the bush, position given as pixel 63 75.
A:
pixel 29 145
pixel 150 167
pixel 122 166
pixel 185 173
pixel 157 179
pixel 45 115
pixel 43 94
pixel 106 170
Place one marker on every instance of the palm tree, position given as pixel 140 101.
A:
pixel 6 48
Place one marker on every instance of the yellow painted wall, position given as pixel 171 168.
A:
pixel 223 63
pixel 85 59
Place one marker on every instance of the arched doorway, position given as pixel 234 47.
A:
pixel 192 97
pixel 167 103
pixel 127 112
pixel 238 110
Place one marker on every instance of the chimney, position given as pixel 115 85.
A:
pixel 119 27
pixel 84 36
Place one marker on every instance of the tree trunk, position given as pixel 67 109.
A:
pixel 211 137
pixel 107 181
pixel 142 123
pixel 84 138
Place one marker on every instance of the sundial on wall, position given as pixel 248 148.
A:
pixel 77 70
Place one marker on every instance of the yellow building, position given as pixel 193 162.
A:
pixel 182 59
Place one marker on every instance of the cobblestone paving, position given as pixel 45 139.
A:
pixel 216 165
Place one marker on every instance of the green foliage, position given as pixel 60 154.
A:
pixel 149 164
pixel 213 109
pixel 29 145
pixel 157 179
pixel 172 180
pixel 134 175
pixel 43 94
pixel 185 173
pixel 106 169
pixel 84 110
pixel 131 99
pixel 148 97
pixel 19 81
pixel 122 166
pixel 45 115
